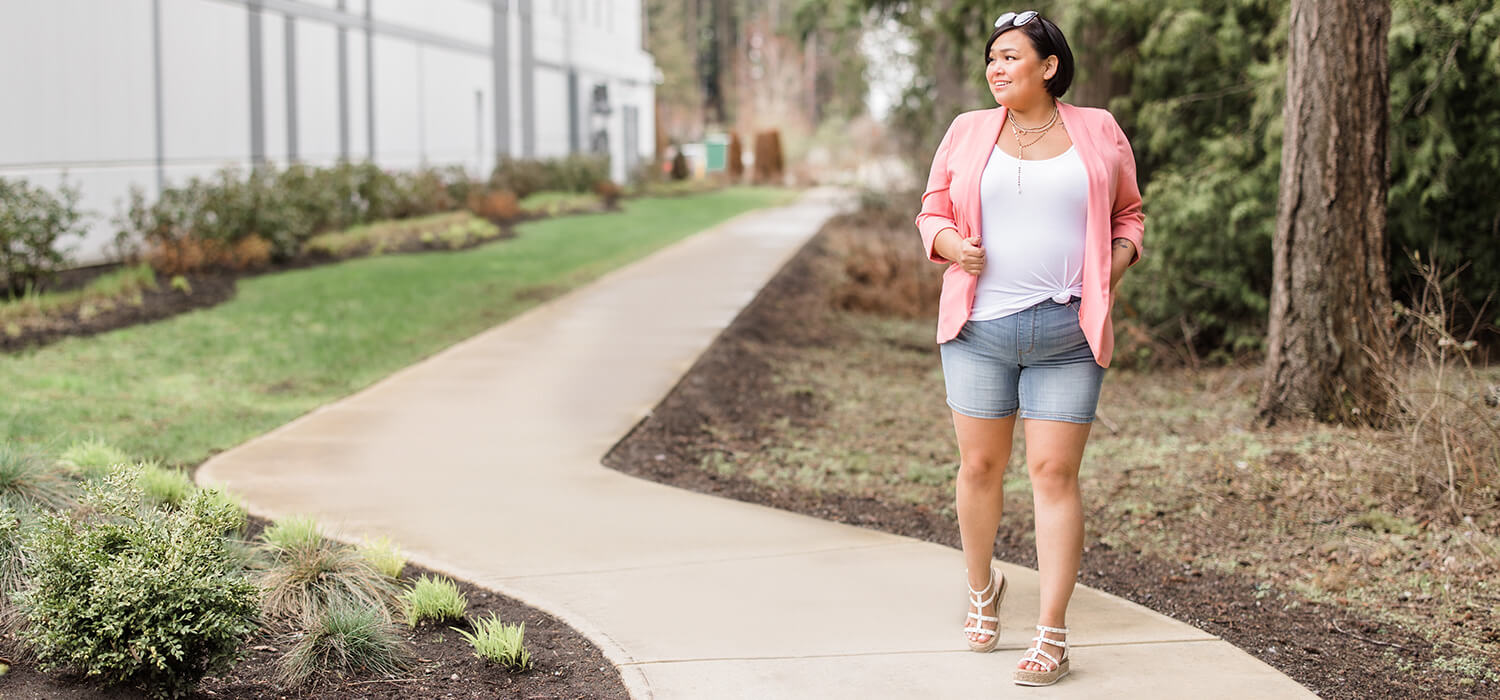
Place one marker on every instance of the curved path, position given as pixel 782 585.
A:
pixel 484 461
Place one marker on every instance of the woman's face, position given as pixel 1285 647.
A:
pixel 1015 73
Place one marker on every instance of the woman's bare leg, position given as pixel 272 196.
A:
pixel 984 449
pixel 1054 451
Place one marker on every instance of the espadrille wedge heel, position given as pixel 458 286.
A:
pixel 1056 668
pixel 997 595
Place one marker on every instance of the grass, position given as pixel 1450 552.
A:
pixel 124 285
pixel 499 643
pixel 308 576
pixel 341 642
pixel 164 486
pixel 435 599
pixel 452 229
pixel 180 389
pixel 29 484
pixel 385 556
pixel 554 203
pixel 91 458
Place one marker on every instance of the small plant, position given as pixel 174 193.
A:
pixel 435 599
pixel 308 574
pixel 92 459
pixel 28 484
pixel 385 556
pixel 33 225
pixel 137 595
pixel 344 640
pixel 498 642
pixel 163 486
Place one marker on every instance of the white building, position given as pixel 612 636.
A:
pixel 116 93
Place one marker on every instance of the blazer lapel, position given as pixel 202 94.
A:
pixel 984 137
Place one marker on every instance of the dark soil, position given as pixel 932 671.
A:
pixel 208 289
pixel 730 397
pixel 566 665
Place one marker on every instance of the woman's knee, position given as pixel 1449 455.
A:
pixel 1053 477
pixel 982 466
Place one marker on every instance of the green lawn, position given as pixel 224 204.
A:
pixel 208 380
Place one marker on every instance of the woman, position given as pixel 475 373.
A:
pixel 1035 208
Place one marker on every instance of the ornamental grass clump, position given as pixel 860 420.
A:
pixel 164 487
pixel 133 595
pixel 498 642
pixel 92 459
pixel 29 485
pixel 435 599
pixel 307 574
pixel 385 556
pixel 14 558
pixel 342 641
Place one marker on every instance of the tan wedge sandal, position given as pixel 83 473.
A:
pixel 1056 668
pixel 980 618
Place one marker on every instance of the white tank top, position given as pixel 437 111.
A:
pixel 1033 241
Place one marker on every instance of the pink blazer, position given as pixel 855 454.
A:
pixel 952 201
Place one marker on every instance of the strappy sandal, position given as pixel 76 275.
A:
pixel 1056 668
pixel 979 605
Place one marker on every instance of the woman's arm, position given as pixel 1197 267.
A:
pixel 936 215
pixel 1127 222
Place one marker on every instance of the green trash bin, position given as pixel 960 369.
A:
pixel 716 153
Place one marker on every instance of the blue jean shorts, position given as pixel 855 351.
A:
pixel 1036 361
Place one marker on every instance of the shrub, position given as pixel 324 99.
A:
pixel 308 574
pixel 608 192
pixel 164 487
pixel 249 253
pixel 344 640
pixel 33 224
pixel 680 166
pixel 498 642
pixel 14 558
pixel 435 599
pixel 521 177
pixel 92 458
pixel 385 556
pixel 495 205
pixel 29 485
pixel 137 595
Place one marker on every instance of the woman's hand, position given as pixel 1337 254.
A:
pixel 967 252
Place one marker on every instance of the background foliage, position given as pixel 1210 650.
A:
pixel 1198 86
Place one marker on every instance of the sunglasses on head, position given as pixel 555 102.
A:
pixel 1016 20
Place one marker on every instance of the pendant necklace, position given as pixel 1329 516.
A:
pixel 1018 130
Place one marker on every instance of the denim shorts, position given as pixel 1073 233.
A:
pixel 1036 360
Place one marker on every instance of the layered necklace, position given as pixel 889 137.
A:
pixel 1039 131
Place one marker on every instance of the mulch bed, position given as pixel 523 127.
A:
pixel 566 665
pixel 208 289
pixel 730 396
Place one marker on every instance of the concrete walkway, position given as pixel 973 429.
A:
pixel 484 461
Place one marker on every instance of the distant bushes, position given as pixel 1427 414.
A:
pixel 239 220
pixel 769 163
pixel 33 223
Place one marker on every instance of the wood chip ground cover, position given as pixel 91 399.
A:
pixel 1264 537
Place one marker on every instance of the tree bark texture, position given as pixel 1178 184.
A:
pixel 1329 345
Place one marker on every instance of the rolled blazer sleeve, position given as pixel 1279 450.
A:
pixel 937 207
pixel 1127 221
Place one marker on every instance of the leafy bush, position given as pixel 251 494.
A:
pixel 525 177
pixel 92 458
pixel 385 556
pixel 307 574
pixel 344 640
pixel 137 595
pixel 33 224
pixel 498 642
pixel 29 485
pixel 435 599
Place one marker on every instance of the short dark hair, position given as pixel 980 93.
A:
pixel 1048 40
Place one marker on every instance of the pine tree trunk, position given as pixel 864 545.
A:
pixel 1329 346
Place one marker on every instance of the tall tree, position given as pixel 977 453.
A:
pixel 1329 342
